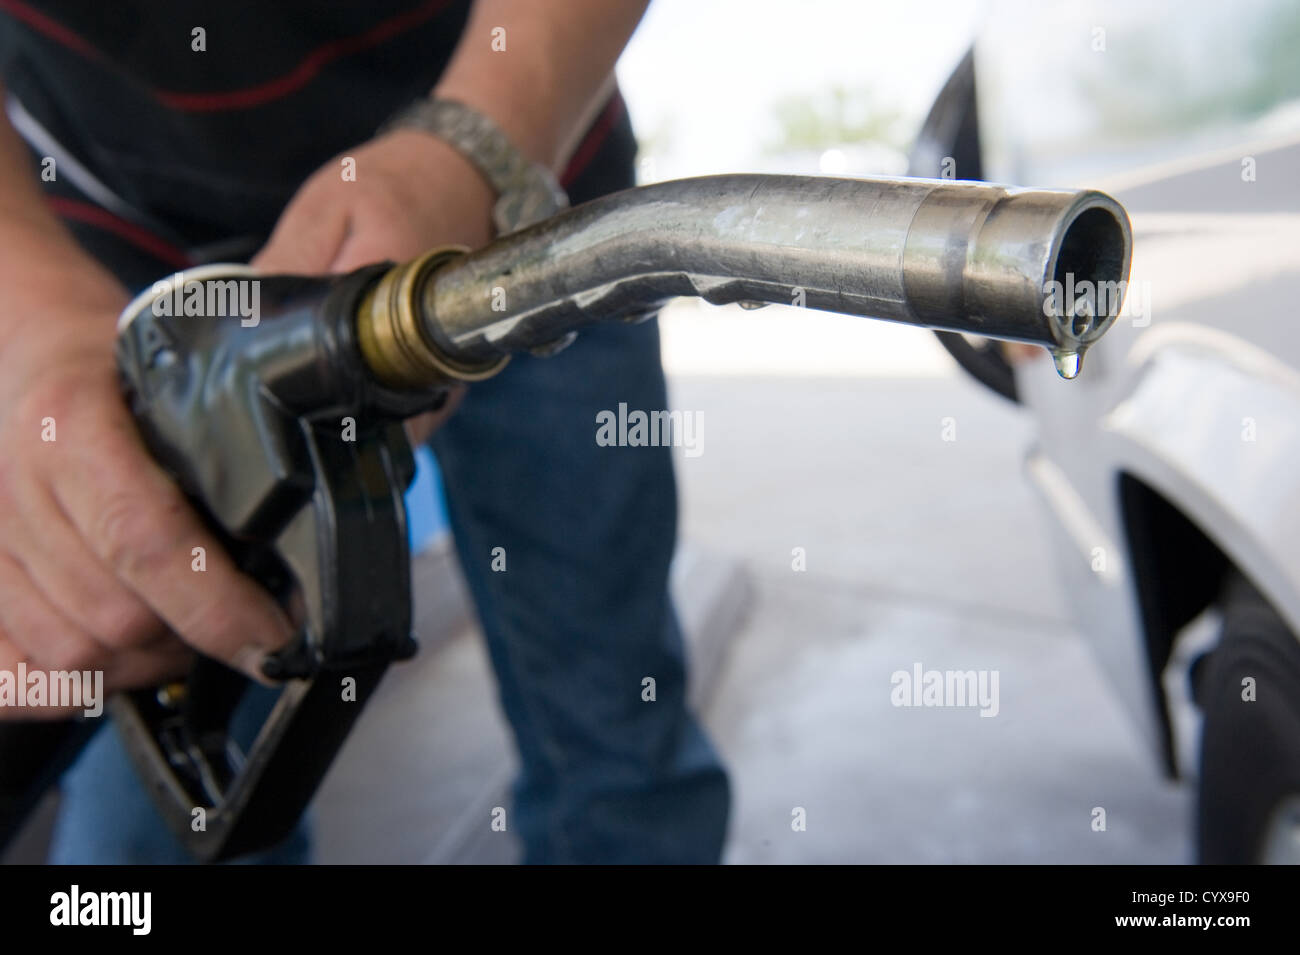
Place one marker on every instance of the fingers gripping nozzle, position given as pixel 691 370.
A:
pixel 295 453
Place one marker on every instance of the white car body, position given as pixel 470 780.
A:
pixel 1195 391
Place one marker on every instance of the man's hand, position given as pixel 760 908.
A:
pixel 97 543
pixel 411 193
pixel 97 560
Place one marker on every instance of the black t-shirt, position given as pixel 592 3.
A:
pixel 204 136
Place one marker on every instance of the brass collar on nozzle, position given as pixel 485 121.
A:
pixel 390 330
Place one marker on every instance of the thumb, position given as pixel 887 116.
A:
pixel 306 240
pixel 360 248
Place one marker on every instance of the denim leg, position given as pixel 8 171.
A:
pixel 580 615
pixel 107 818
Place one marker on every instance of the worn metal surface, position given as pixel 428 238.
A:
pixel 968 257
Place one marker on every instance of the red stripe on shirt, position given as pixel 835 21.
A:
pixel 592 142
pixel 260 94
pixel 93 215
pixel 51 28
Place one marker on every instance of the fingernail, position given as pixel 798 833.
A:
pixel 252 661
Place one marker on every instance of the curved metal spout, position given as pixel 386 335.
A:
pixel 967 257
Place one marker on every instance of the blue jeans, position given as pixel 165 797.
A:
pixel 575 622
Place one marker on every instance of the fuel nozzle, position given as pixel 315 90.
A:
pixel 969 257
